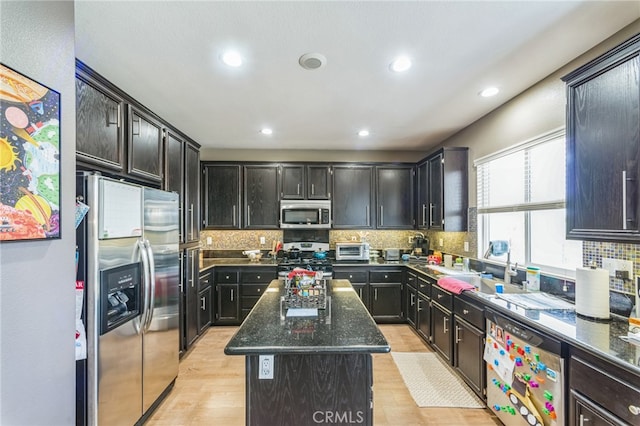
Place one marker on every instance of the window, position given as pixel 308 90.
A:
pixel 521 199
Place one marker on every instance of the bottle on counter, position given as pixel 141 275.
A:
pixel 533 278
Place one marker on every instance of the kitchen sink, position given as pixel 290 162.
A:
pixel 488 285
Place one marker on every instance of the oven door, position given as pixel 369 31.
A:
pixel 350 252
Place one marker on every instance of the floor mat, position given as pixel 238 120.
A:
pixel 432 383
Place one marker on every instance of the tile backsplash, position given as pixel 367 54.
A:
pixel 594 251
pixel 452 242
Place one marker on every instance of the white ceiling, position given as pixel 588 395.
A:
pixel 166 55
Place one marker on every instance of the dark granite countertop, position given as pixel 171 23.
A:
pixel 600 338
pixel 210 262
pixel 345 326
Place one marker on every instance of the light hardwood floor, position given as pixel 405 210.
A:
pixel 210 388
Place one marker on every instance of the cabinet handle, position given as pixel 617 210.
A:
pixel 375 294
pixel 431 214
pixel 133 133
pixel 191 221
pixel 233 212
pixel 232 295
pixel 465 311
pixel 298 189
pixel 360 292
pixel 424 215
pixel 386 276
pixel 634 409
pixel 413 301
pixel 419 305
pixel 458 339
pixel 313 189
pixel 191 281
pixel 624 199
pixel 248 215
pixel 583 420
pixel 366 210
pixel 259 290
pixel 203 304
pixel 226 277
pixel 350 276
pixel 444 325
pixel 440 296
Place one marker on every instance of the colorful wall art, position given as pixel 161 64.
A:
pixel 29 158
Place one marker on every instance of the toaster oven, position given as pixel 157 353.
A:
pixel 352 251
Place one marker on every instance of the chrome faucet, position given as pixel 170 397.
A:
pixel 510 271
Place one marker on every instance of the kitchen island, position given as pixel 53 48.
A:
pixel 318 369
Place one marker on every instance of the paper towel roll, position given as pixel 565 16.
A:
pixel 592 292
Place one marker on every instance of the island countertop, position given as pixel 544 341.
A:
pixel 345 326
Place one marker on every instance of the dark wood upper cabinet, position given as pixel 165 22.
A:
pixel 145 145
pixel 353 196
pixel 99 125
pixel 422 191
pixel 603 147
pixel 445 177
pixel 174 170
pixel 293 182
pixel 192 193
pixel 221 196
pixel 395 203
pixel 261 197
pixel 319 181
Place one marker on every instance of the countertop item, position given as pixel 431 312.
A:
pixel 345 326
pixel 592 292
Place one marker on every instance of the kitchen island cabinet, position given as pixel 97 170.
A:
pixel 603 147
pixel 308 370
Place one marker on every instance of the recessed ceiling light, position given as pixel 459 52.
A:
pixel 232 58
pixel 312 61
pixel 363 132
pixel 489 91
pixel 266 131
pixel 400 64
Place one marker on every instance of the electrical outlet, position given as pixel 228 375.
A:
pixel 209 241
pixel 466 246
pixel 441 241
pixel 265 366
pixel 263 241
pixel 618 267
pixel 410 240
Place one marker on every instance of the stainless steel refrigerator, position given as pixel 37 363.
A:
pixel 129 251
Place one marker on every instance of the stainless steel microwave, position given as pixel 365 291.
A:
pixel 305 214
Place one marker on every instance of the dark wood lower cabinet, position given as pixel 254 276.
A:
pixel 311 389
pixel 468 350
pixel 441 331
pixel 423 317
pixel 586 413
pixel 228 301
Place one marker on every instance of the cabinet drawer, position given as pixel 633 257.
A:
pixel 253 289
pixel 205 280
pixel 226 277
pixel 424 286
pixel 441 296
pixel 412 280
pixel 620 398
pixel 261 276
pixel 353 276
pixel 469 312
pixel 385 277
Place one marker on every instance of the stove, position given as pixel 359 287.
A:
pixel 298 249
pixel 287 265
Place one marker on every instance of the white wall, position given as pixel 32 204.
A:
pixel 37 291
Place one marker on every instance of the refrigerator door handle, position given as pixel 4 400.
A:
pixel 152 284
pixel 144 258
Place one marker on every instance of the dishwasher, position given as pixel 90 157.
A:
pixel 525 371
